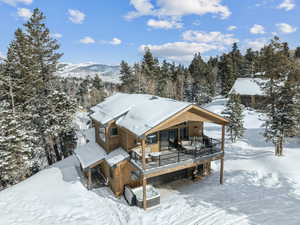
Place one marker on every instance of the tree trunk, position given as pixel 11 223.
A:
pixel 281 146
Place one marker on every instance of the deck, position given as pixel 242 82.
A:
pixel 181 157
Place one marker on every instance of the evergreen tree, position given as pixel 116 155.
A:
pixel 43 50
pixel 297 53
pixel 127 78
pixel 150 71
pixel 226 74
pixel 29 84
pixel 250 63
pixel 97 83
pixel 164 74
pixel 203 87
pixel 16 149
pixel 234 114
pixel 280 108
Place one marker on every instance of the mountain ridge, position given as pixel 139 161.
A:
pixel 107 73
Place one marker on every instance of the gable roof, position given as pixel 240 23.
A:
pixel 91 153
pixel 139 113
pixel 247 86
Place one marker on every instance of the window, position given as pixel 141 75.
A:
pixel 151 138
pixel 102 133
pixel 113 131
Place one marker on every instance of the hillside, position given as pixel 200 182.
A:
pixel 259 188
pixel 105 72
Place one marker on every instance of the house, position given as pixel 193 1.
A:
pixel 250 91
pixel 140 137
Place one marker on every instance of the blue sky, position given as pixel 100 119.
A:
pixel 108 31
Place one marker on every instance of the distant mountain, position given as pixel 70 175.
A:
pixel 105 72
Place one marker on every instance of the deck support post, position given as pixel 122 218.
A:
pixel 222 171
pixel 144 193
pixel 143 155
pixel 90 178
pixel 222 159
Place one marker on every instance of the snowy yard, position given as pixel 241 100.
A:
pixel 259 188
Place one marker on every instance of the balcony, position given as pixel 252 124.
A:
pixel 193 151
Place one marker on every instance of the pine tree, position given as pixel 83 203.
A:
pixel 234 114
pixel 31 62
pixel 226 74
pixel 127 78
pixel 150 71
pixel 203 86
pixel 16 148
pixel 43 50
pixel 297 53
pixel 280 108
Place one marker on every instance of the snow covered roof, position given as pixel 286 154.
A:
pixel 92 152
pixel 116 156
pixel 247 86
pixel 89 154
pixel 137 112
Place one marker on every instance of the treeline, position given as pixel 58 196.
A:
pixel 87 91
pixel 201 80
pixel 35 116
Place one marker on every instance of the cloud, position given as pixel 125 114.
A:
pixel 287 5
pixel 178 8
pixel 231 28
pixel 115 41
pixel 142 7
pixel 87 40
pixel 57 35
pixel 257 29
pixel 75 16
pixel 197 23
pixel 215 37
pixel 24 13
pixel 164 24
pixel 256 44
pixel 15 2
pixel 178 51
pixel 286 28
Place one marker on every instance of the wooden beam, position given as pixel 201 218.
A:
pixel 144 193
pixel 127 148
pixel 181 167
pixel 223 138
pixel 222 159
pixel 90 179
pixel 143 154
pixel 222 171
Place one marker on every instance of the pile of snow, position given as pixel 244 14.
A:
pixel 259 188
pixel 82 70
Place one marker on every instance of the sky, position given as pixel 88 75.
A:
pixel 108 31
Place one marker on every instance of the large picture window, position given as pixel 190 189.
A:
pixel 151 138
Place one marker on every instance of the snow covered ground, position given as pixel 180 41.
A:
pixel 259 188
